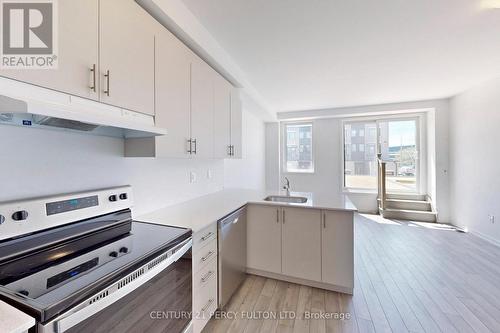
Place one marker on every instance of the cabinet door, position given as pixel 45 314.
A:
pixel 222 117
pixel 264 238
pixel 301 246
pixel 236 123
pixel 78 45
pixel 172 95
pixel 127 52
pixel 202 108
pixel 338 248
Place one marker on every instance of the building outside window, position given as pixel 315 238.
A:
pixel 299 153
pixel 360 166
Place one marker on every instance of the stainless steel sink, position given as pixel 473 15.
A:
pixel 287 199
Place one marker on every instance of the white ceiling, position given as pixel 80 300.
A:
pixel 313 54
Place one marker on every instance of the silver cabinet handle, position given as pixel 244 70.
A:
pixel 205 308
pixel 232 150
pixel 207 236
pixel 195 146
pixel 107 76
pixel 93 70
pixel 190 149
pixel 324 220
pixel 278 215
pixel 209 254
pixel 229 150
pixel 208 276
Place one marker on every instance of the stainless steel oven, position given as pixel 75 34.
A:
pixel 80 263
pixel 154 298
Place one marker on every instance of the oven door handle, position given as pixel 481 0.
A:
pixel 86 309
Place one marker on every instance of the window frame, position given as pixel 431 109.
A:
pixel 284 148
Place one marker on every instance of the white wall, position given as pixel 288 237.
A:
pixel 475 159
pixel 328 155
pixel 37 162
pixel 248 172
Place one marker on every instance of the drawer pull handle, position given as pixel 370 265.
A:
pixel 208 276
pixel 206 307
pixel 207 236
pixel 209 254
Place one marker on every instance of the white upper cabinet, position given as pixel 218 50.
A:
pixel 127 56
pixel 222 117
pixel 173 84
pixel 338 249
pixel 202 109
pixel 236 124
pixel 264 238
pixel 302 243
pixel 78 44
pixel 228 119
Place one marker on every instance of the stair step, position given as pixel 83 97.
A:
pixel 409 204
pixel 407 196
pixel 408 214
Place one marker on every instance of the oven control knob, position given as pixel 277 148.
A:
pixel 124 250
pixel 20 215
pixel 2 219
pixel 24 292
pixel 113 254
pixel 113 198
pixel 123 196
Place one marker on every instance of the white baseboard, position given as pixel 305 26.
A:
pixel 484 237
pixel 315 284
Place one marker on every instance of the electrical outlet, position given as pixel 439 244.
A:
pixel 491 218
pixel 209 174
pixel 192 177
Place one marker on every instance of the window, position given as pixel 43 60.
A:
pixel 298 148
pixel 360 167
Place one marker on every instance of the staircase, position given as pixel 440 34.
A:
pixel 413 207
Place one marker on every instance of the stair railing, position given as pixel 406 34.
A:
pixel 382 194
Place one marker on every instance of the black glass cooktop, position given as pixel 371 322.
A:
pixel 48 272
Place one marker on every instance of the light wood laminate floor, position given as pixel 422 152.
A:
pixel 410 277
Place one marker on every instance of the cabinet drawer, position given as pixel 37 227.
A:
pixel 203 256
pixel 204 304
pixel 205 276
pixel 203 237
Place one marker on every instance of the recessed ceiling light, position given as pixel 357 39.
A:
pixel 490 4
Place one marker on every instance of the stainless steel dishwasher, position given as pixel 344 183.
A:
pixel 232 254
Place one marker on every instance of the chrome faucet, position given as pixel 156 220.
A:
pixel 287 186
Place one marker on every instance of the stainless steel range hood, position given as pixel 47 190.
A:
pixel 27 105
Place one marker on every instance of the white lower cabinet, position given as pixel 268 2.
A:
pixel 338 249
pixel 301 243
pixel 205 276
pixel 264 238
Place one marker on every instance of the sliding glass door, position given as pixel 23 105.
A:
pixel 396 140
pixel 399 148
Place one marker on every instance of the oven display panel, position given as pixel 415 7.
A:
pixel 71 204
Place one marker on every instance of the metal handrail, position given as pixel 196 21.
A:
pixel 382 194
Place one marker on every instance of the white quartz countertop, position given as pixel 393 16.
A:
pixel 14 321
pixel 199 213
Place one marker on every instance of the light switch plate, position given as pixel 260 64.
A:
pixel 192 177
